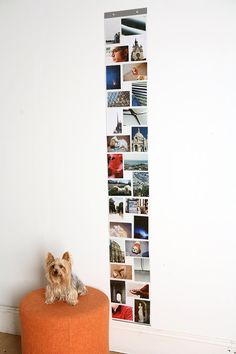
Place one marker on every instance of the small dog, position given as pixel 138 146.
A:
pixel 62 283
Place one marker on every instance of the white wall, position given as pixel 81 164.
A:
pixel 53 154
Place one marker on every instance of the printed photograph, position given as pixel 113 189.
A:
pixel 139 93
pixel 136 206
pixel 118 291
pixel 142 311
pixel 115 165
pixel 135 116
pixel 141 270
pixel 117 54
pixel 113 77
pixel 117 251
pixel 112 30
pixel 119 187
pixel 122 312
pixel 116 208
pixel 140 139
pixel 121 271
pixel 131 26
pixel 120 229
pixel 137 290
pixel 137 248
pixel 141 227
pixel 137 48
pixel 114 121
pixel 118 143
pixel 141 184
pixel 118 99
pixel 134 72
pixel 136 162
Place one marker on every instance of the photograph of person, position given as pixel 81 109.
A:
pixel 112 30
pixel 120 229
pixel 122 312
pixel 118 143
pixel 141 227
pixel 142 311
pixel 137 248
pixel 115 165
pixel 121 271
pixel 119 187
pixel 116 208
pixel 138 290
pixel 117 54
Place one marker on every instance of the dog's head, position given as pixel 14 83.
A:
pixel 58 270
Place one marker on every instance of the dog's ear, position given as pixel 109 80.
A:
pixel 50 258
pixel 66 257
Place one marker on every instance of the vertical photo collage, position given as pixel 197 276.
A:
pixel 127 164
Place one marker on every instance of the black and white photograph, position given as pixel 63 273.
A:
pixel 141 269
pixel 137 248
pixel 112 30
pixel 120 229
pixel 119 187
pixel 136 206
pixel 141 184
pixel 114 121
pixel 141 227
pixel 133 26
pixel 135 116
pixel 136 162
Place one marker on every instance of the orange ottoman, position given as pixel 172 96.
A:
pixel 63 329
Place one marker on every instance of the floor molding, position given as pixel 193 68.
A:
pixel 9 320
pixel 134 339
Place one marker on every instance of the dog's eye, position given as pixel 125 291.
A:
pixel 61 266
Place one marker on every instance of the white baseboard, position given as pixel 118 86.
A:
pixel 9 320
pixel 136 339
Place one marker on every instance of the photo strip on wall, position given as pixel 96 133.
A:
pixel 126 75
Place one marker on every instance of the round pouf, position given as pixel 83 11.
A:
pixel 60 328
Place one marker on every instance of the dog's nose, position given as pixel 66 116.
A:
pixel 55 272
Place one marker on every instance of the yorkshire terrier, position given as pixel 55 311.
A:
pixel 62 283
